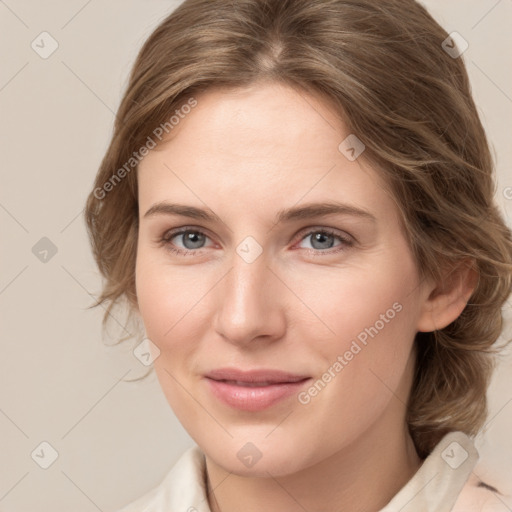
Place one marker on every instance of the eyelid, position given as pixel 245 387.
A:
pixel 171 233
pixel 346 238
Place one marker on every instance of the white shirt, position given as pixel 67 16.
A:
pixel 435 487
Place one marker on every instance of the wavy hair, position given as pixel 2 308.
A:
pixel 383 67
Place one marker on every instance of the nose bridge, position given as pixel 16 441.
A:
pixel 246 285
pixel 248 302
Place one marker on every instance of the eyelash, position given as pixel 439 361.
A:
pixel 165 241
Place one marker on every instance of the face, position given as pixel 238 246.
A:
pixel 247 275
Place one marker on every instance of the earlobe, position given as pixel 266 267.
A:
pixel 448 299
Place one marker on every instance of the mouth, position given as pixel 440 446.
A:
pixel 253 390
pixel 252 384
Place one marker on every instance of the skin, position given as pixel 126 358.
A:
pixel 246 154
pixel 475 498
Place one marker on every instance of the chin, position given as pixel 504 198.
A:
pixel 259 457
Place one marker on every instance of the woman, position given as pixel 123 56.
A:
pixel 297 201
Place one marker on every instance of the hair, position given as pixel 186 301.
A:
pixel 382 66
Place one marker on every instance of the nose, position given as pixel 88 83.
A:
pixel 250 303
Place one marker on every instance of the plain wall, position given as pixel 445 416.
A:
pixel 59 382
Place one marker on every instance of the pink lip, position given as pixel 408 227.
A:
pixel 228 386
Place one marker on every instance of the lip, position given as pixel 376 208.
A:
pixel 253 390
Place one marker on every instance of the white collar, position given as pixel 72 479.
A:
pixel 434 488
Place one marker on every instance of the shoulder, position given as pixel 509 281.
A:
pixel 477 496
pixel 182 487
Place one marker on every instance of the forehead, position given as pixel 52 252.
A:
pixel 262 115
pixel 266 144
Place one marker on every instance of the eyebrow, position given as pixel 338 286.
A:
pixel 307 211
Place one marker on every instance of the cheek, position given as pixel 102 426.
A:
pixel 153 300
pixel 347 304
pixel 169 304
pixel 371 317
pixel 168 298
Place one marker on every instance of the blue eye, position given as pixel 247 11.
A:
pixel 193 240
pixel 323 239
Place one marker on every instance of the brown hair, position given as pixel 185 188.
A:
pixel 382 65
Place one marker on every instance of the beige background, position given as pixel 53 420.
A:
pixel 59 382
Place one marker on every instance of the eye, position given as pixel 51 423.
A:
pixel 323 239
pixel 192 239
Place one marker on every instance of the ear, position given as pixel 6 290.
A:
pixel 448 298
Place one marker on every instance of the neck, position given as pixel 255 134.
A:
pixel 362 476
